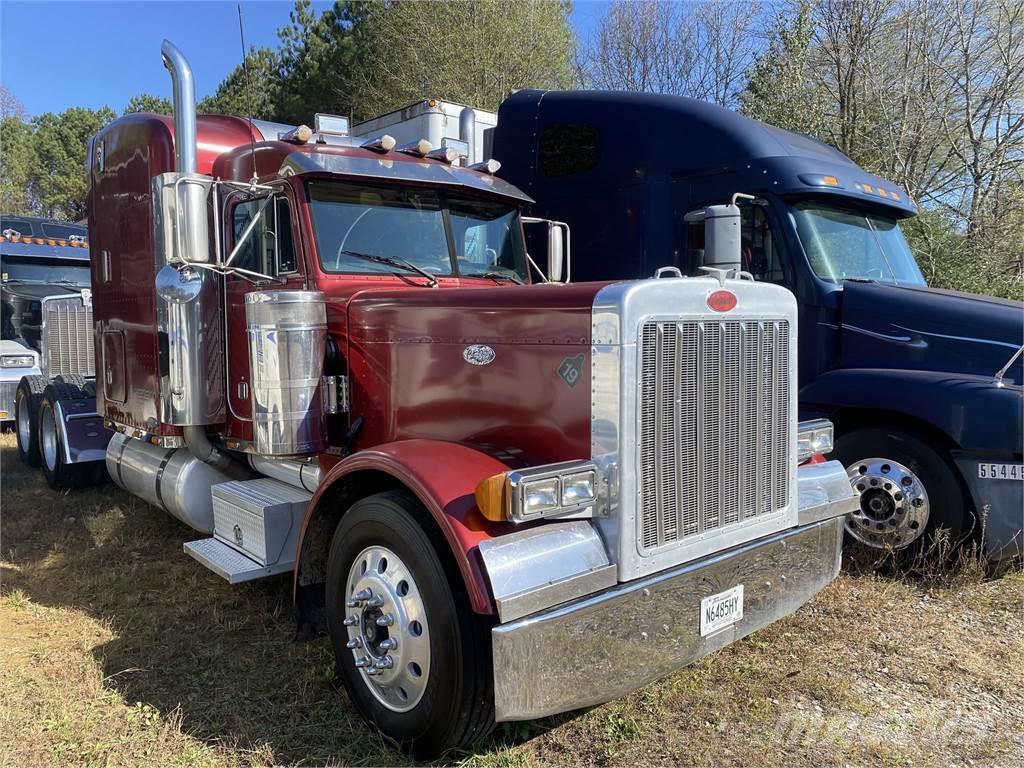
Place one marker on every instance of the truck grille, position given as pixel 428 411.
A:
pixel 714 426
pixel 67 338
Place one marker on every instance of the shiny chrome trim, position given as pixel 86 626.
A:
pixel 824 492
pixel 516 480
pixel 83 337
pixel 619 310
pixel 605 646
pixel 299 474
pixel 548 565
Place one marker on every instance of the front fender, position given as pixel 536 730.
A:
pixel 973 412
pixel 443 476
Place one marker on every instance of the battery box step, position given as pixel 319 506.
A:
pixel 255 529
pixel 229 563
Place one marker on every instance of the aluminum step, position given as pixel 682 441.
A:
pixel 259 518
pixel 230 564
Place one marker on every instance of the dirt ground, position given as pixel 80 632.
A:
pixel 116 649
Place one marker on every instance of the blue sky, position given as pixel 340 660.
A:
pixel 59 54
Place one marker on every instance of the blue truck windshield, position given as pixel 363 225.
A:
pixel 845 243
pixel 36 269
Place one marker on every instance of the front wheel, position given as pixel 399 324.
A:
pixel 413 657
pixel 908 491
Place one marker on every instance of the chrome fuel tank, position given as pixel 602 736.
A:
pixel 169 478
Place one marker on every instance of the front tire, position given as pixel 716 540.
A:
pixel 415 660
pixel 26 418
pixel 908 492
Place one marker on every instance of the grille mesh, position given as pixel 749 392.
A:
pixel 714 421
pixel 69 338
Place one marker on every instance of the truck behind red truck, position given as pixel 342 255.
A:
pixel 510 500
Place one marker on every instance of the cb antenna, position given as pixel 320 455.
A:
pixel 249 94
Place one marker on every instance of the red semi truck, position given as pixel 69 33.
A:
pixel 508 499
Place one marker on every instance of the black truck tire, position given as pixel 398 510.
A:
pixel 26 418
pixel 59 473
pixel 436 694
pixel 908 492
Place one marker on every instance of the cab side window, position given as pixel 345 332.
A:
pixel 268 249
pixel 758 253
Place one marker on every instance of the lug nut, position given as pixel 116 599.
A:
pixel 386 620
pixel 351 621
pixel 354 643
pixel 390 644
pixel 385 663
pixel 372 671
pixel 362 661
pixel 359 598
pixel 375 602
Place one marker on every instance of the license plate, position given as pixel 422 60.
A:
pixel 721 610
pixel 1001 471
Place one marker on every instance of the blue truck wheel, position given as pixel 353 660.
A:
pixel 908 492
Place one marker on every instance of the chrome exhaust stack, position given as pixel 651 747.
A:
pixel 192 388
pixel 467 132
pixel 184 88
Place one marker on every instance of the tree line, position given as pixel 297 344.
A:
pixel 929 93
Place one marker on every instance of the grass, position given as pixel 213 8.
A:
pixel 117 649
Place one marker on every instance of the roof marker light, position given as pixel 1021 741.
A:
pixel 445 154
pixel 420 148
pixel 383 143
pixel 298 135
pixel 491 166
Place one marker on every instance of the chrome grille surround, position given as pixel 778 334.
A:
pixel 67 337
pixel 643 541
pixel 714 416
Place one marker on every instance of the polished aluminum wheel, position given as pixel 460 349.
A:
pixel 24 421
pixel 387 628
pixel 893 504
pixel 48 436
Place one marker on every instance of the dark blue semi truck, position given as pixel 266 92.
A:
pixel 924 385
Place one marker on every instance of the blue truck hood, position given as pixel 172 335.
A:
pixel 929 329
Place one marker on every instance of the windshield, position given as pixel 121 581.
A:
pixel 34 269
pixel 844 244
pixel 411 225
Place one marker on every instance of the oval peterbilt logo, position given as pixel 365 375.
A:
pixel 722 301
pixel 478 354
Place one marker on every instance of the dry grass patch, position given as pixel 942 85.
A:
pixel 117 649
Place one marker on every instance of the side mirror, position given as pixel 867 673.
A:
pixel 554 270
pixel 559 250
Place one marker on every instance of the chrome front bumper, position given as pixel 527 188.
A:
pixel 604 646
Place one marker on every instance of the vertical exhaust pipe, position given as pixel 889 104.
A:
pixel 194 394
pixel 467 131
pixel 184 95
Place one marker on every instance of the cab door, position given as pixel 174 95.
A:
pixel 269 255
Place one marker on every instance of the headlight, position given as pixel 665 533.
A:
pixel 17 361
pixel 813 438
pixel 552 490
pixel 539 496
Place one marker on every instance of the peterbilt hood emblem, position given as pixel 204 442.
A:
pixel 478 354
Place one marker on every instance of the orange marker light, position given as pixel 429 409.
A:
pixel 490 497
pixel 830 181
pixel 867 187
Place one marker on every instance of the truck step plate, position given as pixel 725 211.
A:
pixel 230 564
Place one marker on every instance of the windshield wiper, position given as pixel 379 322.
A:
pixel 391 261
pixel 497 276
